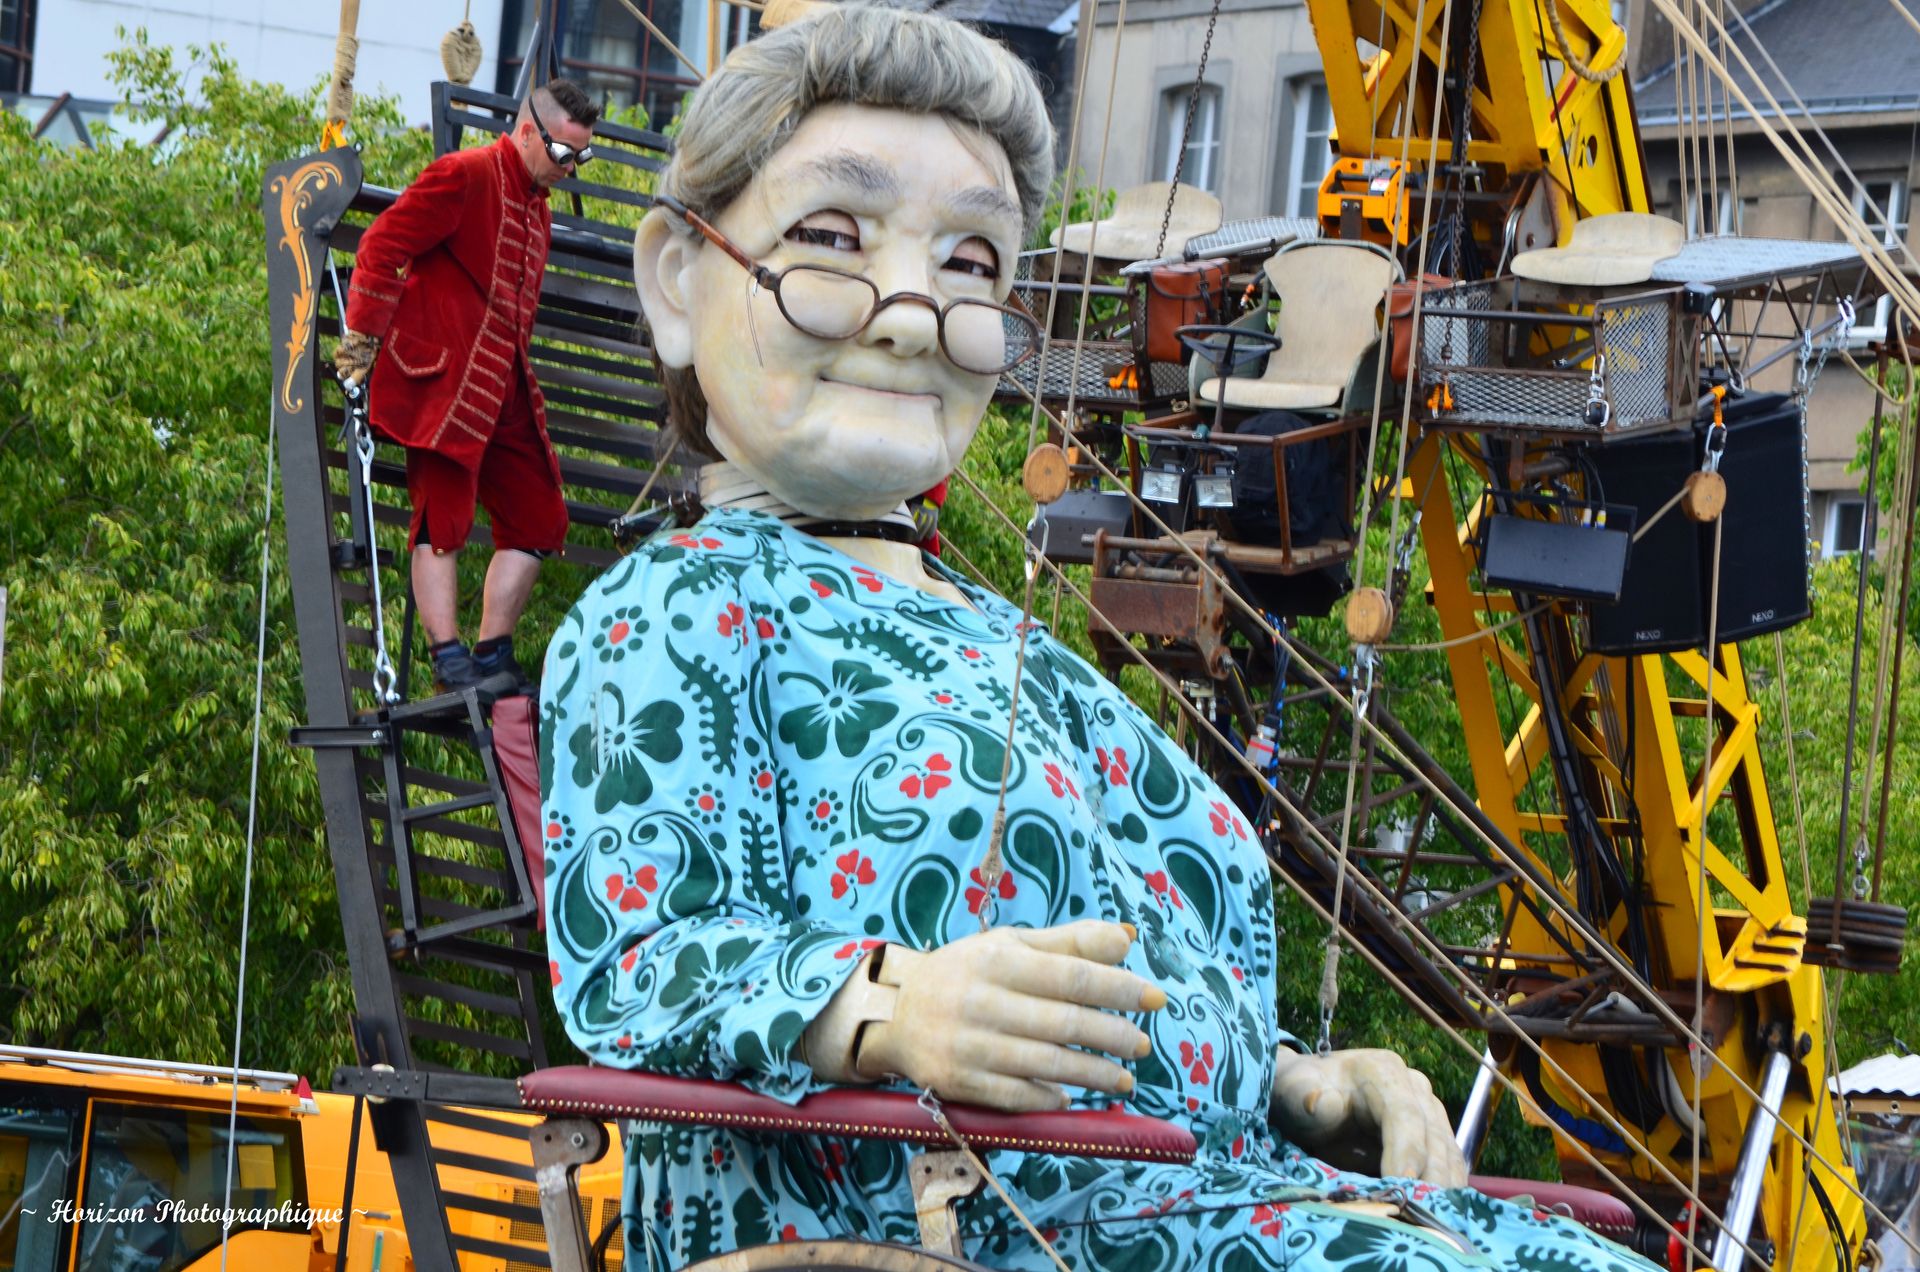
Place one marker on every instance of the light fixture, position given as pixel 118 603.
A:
pixel 1160 485
pixel 1214 489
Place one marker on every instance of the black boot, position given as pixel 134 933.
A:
pixel 494 657
pixel 454 667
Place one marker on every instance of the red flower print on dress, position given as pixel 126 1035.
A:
pixel 554 830
pixel 553 970
pixel 1113 763
pixel 732 619
pixel 628 959
pixel 820 589
pixel 789 1233
pixel 977 894
pixel 707 542
pixel 1164 890
pixel 1268 1219
pixel 1225 818
pixel 618 632
pixel 932 782
pixel 853 949
pixel 633 896
pixel 1059 783
pixel 971 654
pixel 1198 1062
pixel 763 627
pixel 867 579
pixel 854 869
pixel 624 1041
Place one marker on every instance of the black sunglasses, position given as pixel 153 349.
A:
pixel 559 151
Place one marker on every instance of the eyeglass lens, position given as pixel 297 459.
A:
pixel 980 337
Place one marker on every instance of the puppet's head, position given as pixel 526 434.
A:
pixel 903 149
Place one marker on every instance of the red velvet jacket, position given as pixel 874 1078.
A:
pixel 448 279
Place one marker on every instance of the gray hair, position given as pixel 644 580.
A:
pixel 852 54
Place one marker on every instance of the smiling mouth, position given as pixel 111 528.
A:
pixel 892 393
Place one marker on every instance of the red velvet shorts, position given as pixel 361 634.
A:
pixel 516 483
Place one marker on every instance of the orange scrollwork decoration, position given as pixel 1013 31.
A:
pixel 296 191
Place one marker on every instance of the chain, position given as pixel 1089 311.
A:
pixel 385 677
pixel 1463 135
pixel 1186 131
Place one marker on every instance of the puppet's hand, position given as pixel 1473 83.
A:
pixel 997 1018
pixel 353 357
pixel 1327 1103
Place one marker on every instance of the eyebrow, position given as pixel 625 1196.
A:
pixel 850 168
pixel 990 200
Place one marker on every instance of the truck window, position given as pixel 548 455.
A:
pixel 38 1146
pixel 156 1185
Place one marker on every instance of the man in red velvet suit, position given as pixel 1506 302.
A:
pixel 441 308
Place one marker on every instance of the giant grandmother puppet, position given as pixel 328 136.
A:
pixel 773 743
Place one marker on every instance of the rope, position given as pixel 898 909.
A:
pixel 1907 14
pixel 253 821
pixel 1093 234
pixel 1572 61
pixel 1329 996
pixel 647 22
pixel 1440 958
pixel 1904 294
pixel 1435 646
pixel 1702 901
pixel 932 1106
pixel 1553 901
pixel 659 466
pixel 1083 60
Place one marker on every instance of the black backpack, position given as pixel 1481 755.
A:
pixel 1317 500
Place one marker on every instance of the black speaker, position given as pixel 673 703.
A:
pixel 1660 609
pixel 1763 552
pixel 1763 549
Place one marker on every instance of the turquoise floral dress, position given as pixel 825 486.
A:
pixel 762 759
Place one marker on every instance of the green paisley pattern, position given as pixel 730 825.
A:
pixel 762 759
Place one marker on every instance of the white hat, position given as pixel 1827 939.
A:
pixel 1617 248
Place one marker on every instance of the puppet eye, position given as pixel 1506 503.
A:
pixel 835 231
pixel 975 256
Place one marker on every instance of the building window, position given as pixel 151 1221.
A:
pixel 1307 146
pixel 1889 197
pixel 618 61
pixel 1847 526
pixel 1722 213
pixel 16 45
pixel 1201 168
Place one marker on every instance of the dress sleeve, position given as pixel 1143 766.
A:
pixel 675 947
pixel 424 216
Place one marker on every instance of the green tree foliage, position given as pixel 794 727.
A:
pixel 134 383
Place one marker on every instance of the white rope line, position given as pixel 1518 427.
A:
pixel 253 810
pixel 1551 898
pixel 1330 971
pixel 929 1102
pixel 1702 901
pixel 1084 58
pixel 1439 957
pixel 1904 295
pixel 1093 231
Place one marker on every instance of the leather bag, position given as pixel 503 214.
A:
pixel 1400 322
pixel 1180 296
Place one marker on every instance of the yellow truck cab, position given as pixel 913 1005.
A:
pixel 115 1164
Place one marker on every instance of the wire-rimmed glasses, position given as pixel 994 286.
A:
pixel 978 336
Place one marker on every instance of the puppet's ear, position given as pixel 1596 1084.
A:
pixel 662 270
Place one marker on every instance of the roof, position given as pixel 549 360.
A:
pixel 1840 56
pixel 1894 1076
pixel 1039 14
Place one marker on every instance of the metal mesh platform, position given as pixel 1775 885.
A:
pixel 1091 380
pixel 1236 237
pixel 1494 376
pixel 1727 261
